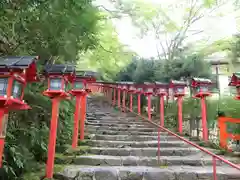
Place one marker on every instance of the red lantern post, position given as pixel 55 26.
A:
pixel 80 91
pixel 119 88
pixel 124 90
pixel 161 90
pixel 131 91
pixel 148 91
pixel 201 90
pixel 58 76
pixel 139 91
pixel 15 73
pixel 179 91
pixel 114 86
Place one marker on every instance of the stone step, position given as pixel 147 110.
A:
pixel 121 144
pixel 113 121
pixel 98 125
pixel 123 129
pixel 133 138
pixel 149 151
pixel 149 173
pixel 104 160
pixel 108 132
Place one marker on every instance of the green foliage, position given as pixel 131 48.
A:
pixel 47 28
pixel 109 55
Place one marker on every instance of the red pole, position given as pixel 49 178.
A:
pixel 149 107
pixel 52 138
pixel 131 102
pixel 139 104
pixel 123 103
pixel 114 96
pixel 159 146
pixel 2 139
pixel 119 98
pixel 162 110
pixel 83 116
pixel 204 119
pixel 76 121
pixel 110 95
pixel 180 114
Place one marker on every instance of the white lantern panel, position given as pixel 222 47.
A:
pixel 55 83
pixel 180 90
pixel 78 85
pixel 149 89
pixel 161 90
pixel 3 86
pixel 17 89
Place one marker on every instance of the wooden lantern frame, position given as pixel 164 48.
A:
pixel 235 81
pixel 161 89
pixel 131 87
pixel 200 83
pixel 175 85
pixel 139 89
pixel 20 70
pixel 83 77
pixel 66 73
pixel 147 86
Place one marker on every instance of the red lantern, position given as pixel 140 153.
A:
pixel 161 90
pixel 201 87
pixel 58 77
pixel 149 88
pixel 235 81
pixel 80 91
pixel 148 91
pixel 179 91
pixel 15 73
pixel 178 88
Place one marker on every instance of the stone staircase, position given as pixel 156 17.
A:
pixel 123 147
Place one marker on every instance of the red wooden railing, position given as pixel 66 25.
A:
pixel 224 135
pixel 161 128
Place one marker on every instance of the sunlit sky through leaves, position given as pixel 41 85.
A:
pixel 218 25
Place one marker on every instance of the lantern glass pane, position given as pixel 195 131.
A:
pixel 180 89
pixel 78 85
pixel 17 89
pixel 150 90
pixel 204 89
pixel 161 90
pixel 3 86
pixel 238 90
pixel 55 84
pixel 4 124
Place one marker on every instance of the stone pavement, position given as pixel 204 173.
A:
pixel 123 147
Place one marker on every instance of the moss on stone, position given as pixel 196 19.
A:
pixel 78 151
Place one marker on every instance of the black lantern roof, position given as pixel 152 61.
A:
pixel 161 84
pixel 87 74
pixel 17 62
pixel 177 83
pixel 147 83
pixel 203 80
pixel 59 69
